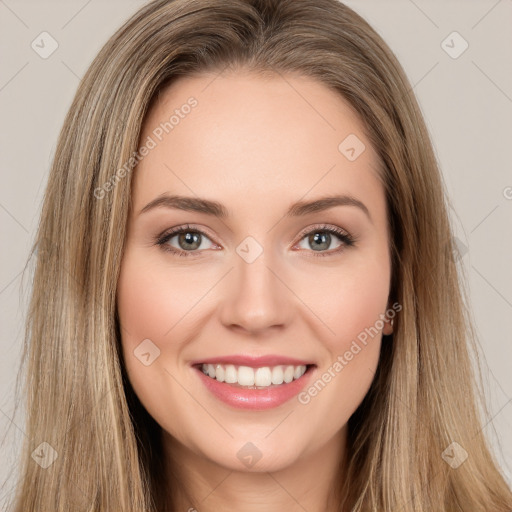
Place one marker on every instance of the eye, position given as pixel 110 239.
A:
pixel 189 240
pixel 320 238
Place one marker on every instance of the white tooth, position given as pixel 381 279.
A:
pixel 299 371
pixel 245 376
pixel 230 375
pixel 288 374
pixel 277 375
pixel 219 373
pixel 263 376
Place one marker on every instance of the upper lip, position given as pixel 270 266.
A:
pixel 253 361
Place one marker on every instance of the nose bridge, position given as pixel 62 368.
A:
pixel 255 298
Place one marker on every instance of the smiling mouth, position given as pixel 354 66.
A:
pixel 263 377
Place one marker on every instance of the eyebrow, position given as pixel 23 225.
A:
pixel 216 209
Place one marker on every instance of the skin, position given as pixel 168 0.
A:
pixel 256 157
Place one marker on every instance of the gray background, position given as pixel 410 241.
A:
pixel 467 103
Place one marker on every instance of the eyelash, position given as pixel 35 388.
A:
pixel 347 239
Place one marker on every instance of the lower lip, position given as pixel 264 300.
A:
pixel 255 399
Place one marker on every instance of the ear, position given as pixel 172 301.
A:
pixel 388 326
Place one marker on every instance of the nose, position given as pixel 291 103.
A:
pixel 255 297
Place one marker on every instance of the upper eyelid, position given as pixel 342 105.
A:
pixel 180 229
pixel 320 227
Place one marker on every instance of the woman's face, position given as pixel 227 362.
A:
pixel 256 283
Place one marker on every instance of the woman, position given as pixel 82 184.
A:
pixel 246 296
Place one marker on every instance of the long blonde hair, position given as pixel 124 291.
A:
pixel 424 395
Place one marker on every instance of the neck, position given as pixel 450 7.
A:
pixel 310 483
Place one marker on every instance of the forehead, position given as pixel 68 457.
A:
pixel 271 140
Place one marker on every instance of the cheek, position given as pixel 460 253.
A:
pixel 155 304
pixel 361 306
pixel 151 301
pixel 352 305
pixel 151 306
pixel 351 300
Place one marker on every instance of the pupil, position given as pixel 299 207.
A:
pixel 191 238
pixel 324 240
